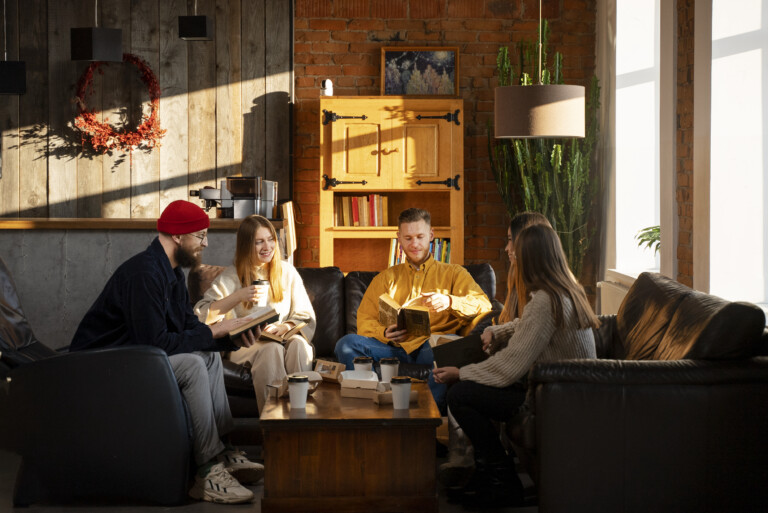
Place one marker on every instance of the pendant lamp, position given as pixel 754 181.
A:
pixel 13 74
pixel 96 43
pixel 196 28
pixel 539 111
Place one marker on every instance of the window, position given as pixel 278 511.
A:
pixel 730 169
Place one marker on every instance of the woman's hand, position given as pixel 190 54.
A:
pixel 278 329
pixel 248 293
pixel 487 338
pixel 446 375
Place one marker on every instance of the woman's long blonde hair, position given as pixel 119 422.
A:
pixel 516 225
pixel 540 264
pixel 246 263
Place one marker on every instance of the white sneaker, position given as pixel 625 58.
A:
pixel 219 486
pixel 244 470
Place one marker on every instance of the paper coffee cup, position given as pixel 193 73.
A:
pixel 262 285
pixel 298 387
pixel 389 368
pixel 363 363
pixel 401 392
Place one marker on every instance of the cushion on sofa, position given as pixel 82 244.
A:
pixel 707 327
pixel 325 288
pixel 646 312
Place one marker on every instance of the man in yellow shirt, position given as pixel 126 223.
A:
pixel 456 303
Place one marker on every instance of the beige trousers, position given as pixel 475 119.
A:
pixel 271 361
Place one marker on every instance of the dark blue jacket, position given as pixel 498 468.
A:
pixel 146 302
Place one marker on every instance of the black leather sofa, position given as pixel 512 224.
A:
pixel 672 416
pixel 335 299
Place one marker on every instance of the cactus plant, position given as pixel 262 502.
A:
pixel 556 177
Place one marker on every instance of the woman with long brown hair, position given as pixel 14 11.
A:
pixel 232 294
pixel 555 323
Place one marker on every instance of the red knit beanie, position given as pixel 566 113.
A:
pixel 182 217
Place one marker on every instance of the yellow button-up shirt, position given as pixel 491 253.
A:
pixel 404 282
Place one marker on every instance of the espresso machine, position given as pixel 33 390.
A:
pixel 240 196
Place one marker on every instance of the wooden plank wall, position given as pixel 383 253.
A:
pixel 226 105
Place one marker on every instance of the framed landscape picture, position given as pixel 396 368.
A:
pixel 420 71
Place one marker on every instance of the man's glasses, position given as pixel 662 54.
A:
pixel 201 237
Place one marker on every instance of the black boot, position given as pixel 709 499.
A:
pixel 493 485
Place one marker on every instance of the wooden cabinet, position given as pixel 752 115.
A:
pixel 409 151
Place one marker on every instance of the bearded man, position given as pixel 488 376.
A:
pixel 146 302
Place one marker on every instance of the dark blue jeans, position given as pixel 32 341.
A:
pixel 350 346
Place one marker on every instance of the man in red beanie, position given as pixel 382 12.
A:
pixel 146 302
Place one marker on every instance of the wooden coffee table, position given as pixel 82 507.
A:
pixel 349 455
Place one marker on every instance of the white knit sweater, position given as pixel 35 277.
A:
pixel 532 338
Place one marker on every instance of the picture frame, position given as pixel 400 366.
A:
pixel 420 71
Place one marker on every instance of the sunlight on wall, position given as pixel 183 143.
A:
pixel 738 187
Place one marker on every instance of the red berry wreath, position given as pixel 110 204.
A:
pixel 101 136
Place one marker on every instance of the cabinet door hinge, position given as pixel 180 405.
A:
pixel 330 117
pixel 448 117
pixel 332 182
pixel 450 182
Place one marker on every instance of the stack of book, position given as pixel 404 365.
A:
pixel 439 248
pixel 370 210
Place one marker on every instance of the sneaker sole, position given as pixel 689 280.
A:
pixel 198 495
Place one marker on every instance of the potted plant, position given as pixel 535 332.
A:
pixel 557 177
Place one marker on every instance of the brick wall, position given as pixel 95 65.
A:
pixel 341 40
pixel 684 194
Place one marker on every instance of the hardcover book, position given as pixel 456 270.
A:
pixel 263 315
pixel 459 352
pixel 285 336
pixel 410 316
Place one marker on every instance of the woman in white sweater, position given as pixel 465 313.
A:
pixel 257 257
pixel 555 322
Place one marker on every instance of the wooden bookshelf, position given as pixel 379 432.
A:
pixel 394 145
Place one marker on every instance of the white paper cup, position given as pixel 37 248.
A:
pixel 298 387
pixel 363 363
pixel 401 392
pixel 389 368
pixel 262 285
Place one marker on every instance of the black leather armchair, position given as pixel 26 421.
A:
pixel 107 424
pixel 672 416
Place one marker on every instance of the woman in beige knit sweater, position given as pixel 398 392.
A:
pixel 257 257
pixel 554 322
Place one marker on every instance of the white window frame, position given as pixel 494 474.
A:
pixel 606 72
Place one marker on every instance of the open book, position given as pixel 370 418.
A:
pixel 411 317
pixel 285 336
pixel 459 352
pixel 262 315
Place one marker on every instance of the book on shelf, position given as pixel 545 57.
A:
pixel 459 352
pixel 355 207
pixel 262 315
pixel 411 316
pixel 272 337
pixel 383 205
pixel 372 209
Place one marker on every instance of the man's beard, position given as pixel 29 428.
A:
pixel 186 258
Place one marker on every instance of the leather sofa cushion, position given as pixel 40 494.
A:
pixel 18 344
pixel 199 280
pixel 646 312
pixel 325 288
pixel 707 327
pixel 355 284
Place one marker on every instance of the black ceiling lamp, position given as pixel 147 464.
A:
pixel 196 28
pixel 96 43
pixel 13 74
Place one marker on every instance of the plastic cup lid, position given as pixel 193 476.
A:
pixel 400 379
pixel 363 359
pixel 298 379
pixel 389 361
pixel 259 282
